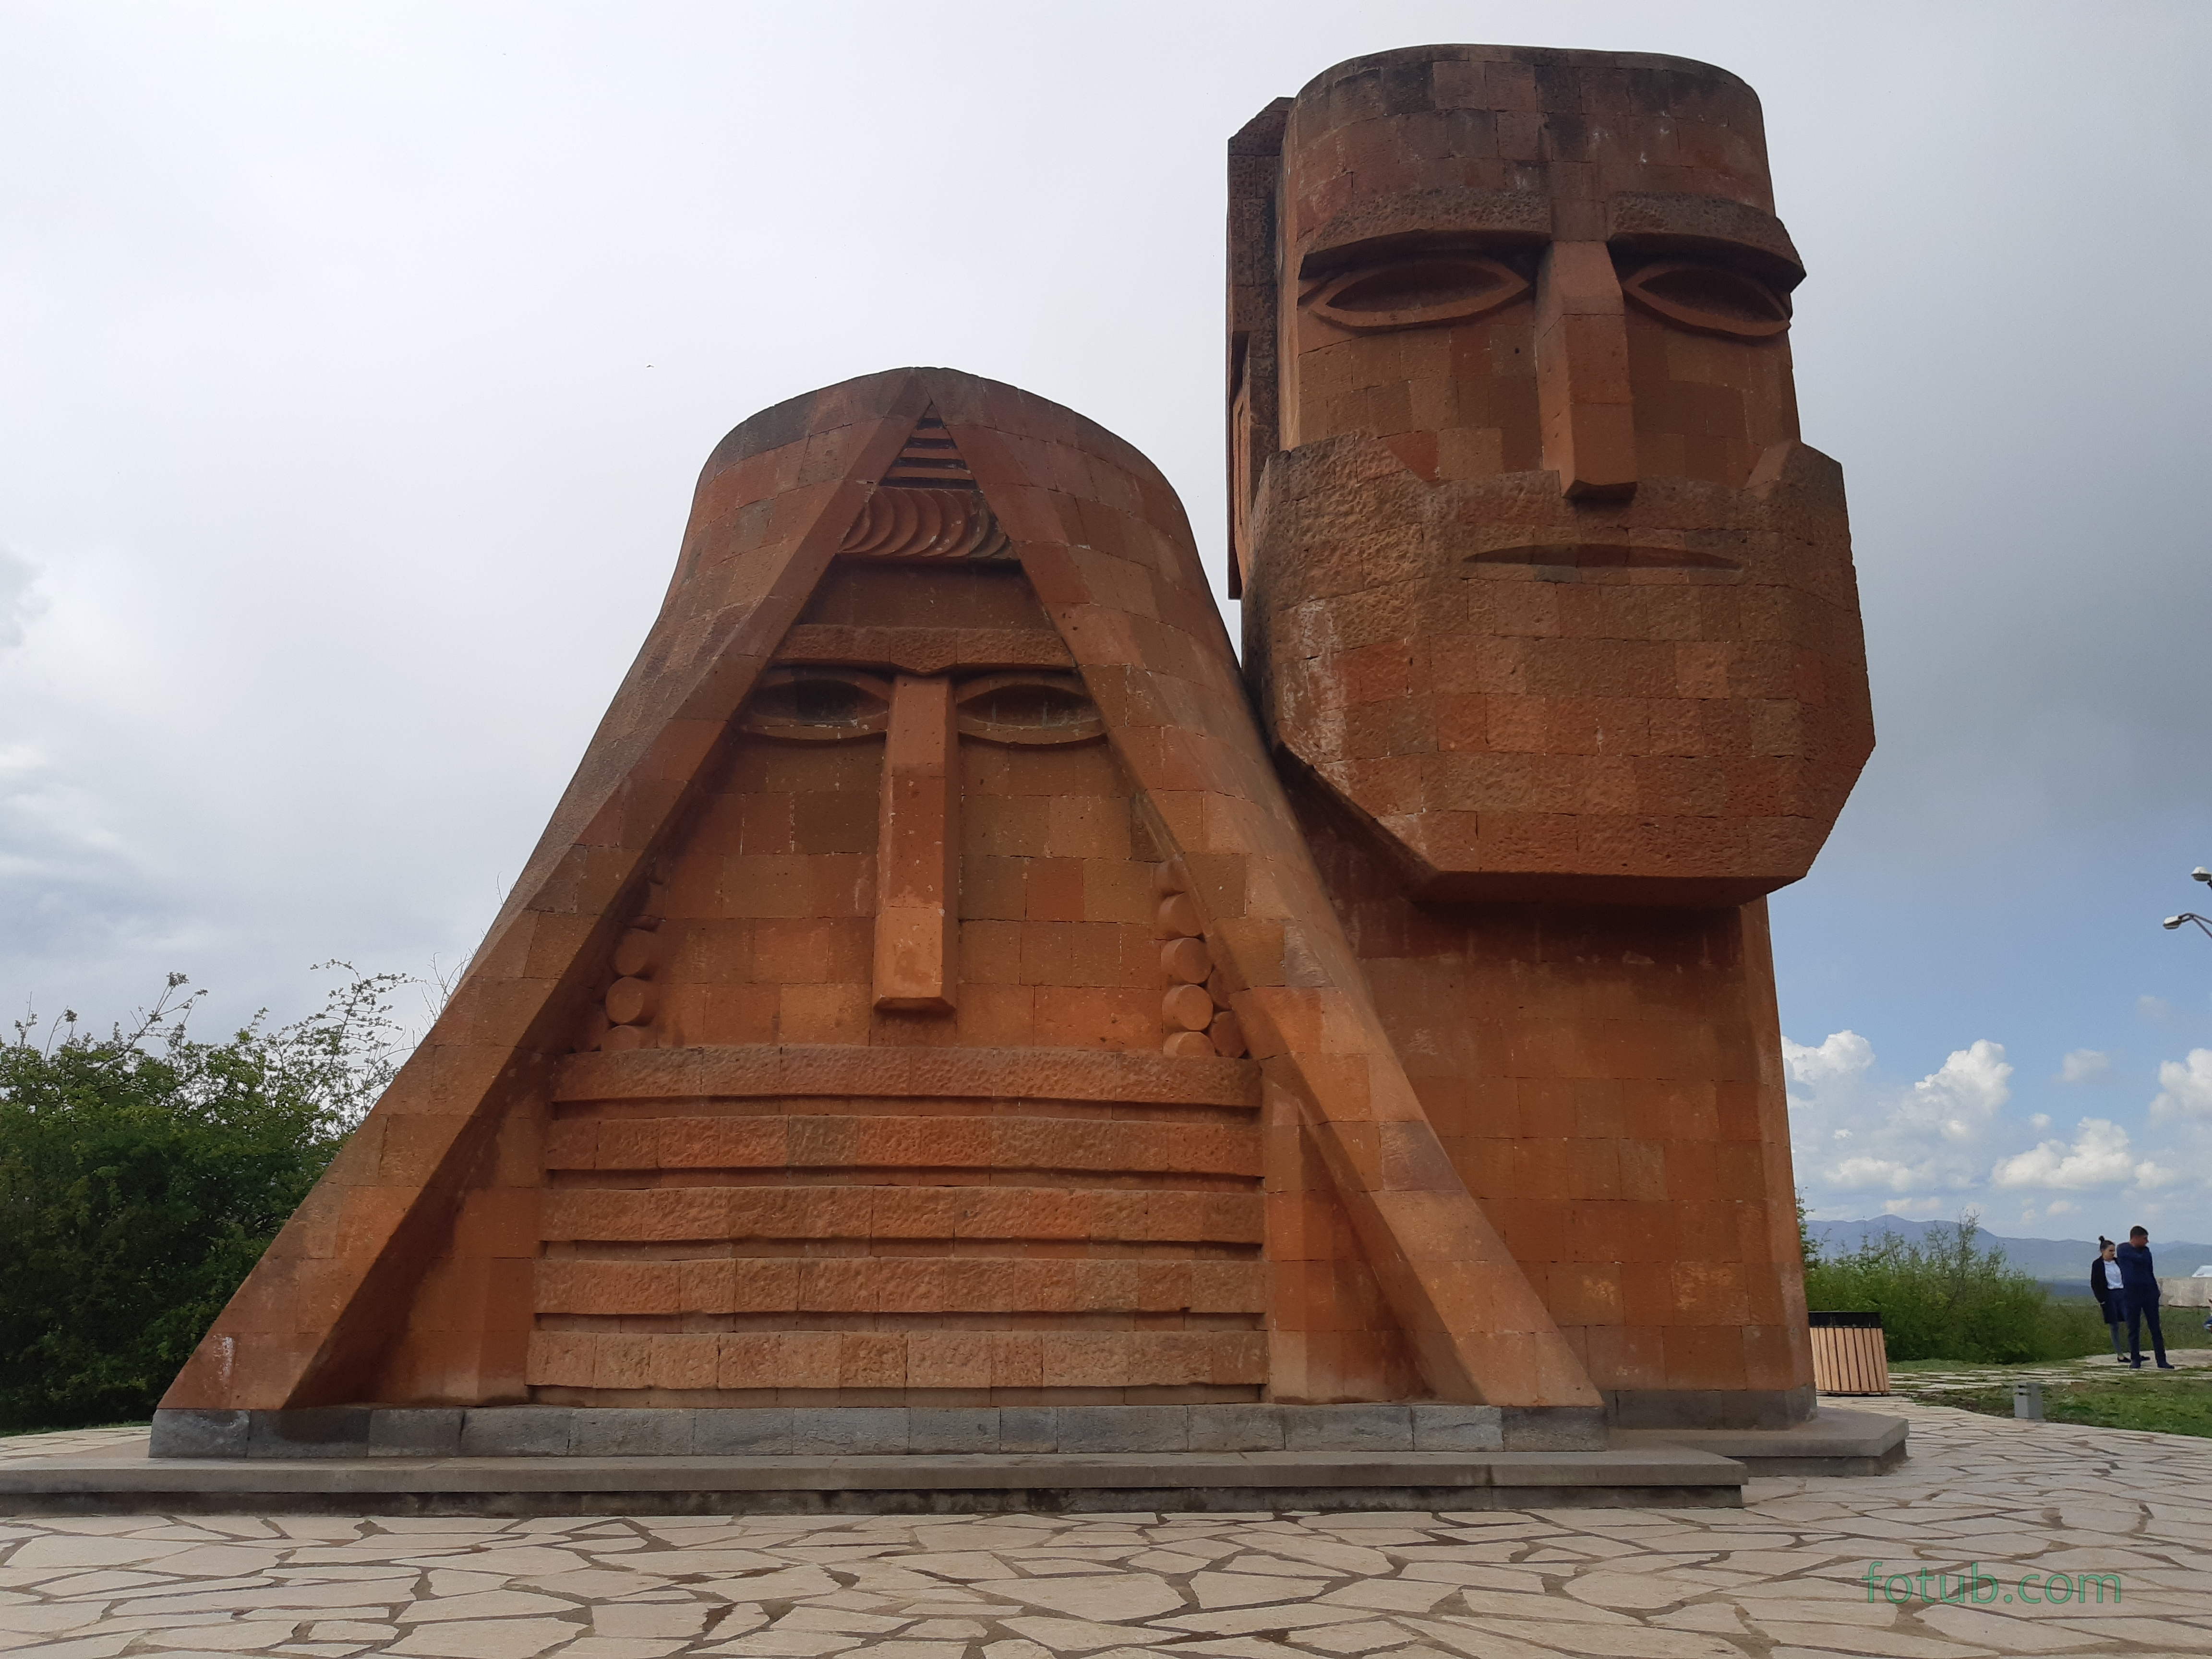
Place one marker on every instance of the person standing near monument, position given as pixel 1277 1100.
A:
pixel 2111 1297
pixel 2139 1280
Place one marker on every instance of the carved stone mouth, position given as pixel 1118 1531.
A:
pixel 1603 556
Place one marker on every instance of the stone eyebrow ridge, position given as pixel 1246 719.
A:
pixel 1447 210
pixel 1639 216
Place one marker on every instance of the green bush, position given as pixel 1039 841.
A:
pixel 1944 1298
pixel 141 1176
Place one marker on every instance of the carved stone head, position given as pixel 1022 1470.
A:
pixel 1540 582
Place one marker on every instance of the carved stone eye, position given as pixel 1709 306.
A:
pixel 817 705
pixel 1710 299
pixel 1418 293
pixel 1028 709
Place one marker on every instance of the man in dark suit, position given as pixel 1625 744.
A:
pixel 2139 1283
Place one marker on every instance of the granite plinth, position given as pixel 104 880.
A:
pixel 364 1431
pixel 1834 1440
pixel 915 1483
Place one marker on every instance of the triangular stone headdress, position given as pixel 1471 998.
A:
pixel 928 508
pixel 425 1235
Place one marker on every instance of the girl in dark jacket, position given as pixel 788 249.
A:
pixel 2104 1283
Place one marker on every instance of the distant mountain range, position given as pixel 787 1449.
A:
pixel 2059 1261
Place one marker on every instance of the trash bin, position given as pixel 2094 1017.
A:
pixel 1848 1355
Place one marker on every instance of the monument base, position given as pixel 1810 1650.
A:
pixel 912 1484
pixel 1677 1409
pixel 1834 1440
pixel 375 1431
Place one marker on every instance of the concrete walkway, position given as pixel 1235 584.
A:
pixel 1783 1577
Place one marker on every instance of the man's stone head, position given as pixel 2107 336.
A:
pixel 1508 322
pixel 1450 224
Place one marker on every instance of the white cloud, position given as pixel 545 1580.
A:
pixel 2151 1175
pixel 1910 1148
pixel 1864 1144
pixel 18 603
pixel 1844 1055
pixel 1961 1099
pixel 2083 1066
pixel 2099 1156
pixel 2184 1088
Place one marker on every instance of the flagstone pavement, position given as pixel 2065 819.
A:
pixel 1784 1577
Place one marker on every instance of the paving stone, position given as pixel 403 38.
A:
pixel 1104 1597
pixel 487 1639
pixel 1242 1589
pixel 1061 1636
pixel 1783 1578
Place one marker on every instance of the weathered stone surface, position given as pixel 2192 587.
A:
pixel 191 1432
pixel 929 997
pixel 903 1023
pixel 1551 616
pixel 1476 1572
pixel 517 1431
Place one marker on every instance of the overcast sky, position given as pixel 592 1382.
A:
pixel 356 364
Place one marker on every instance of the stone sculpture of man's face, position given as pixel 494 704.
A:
pixel 1544 584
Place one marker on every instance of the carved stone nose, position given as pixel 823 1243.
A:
pixel 1583 394
pixel 917 852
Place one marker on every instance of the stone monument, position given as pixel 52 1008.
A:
pixel 951 1006
pixel 1553 629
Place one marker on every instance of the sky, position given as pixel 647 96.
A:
pixel 356 364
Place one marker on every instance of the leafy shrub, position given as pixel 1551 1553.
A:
pixel 1944 1298
pixel 141 1176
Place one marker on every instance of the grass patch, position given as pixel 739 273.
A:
pixel 2161 1404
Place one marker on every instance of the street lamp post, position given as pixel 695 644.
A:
pixel 2200 873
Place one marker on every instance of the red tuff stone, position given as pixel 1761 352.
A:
pixel 1188 1007
pixel 888 875
pixel 1186 961
pixel 630 1002
pixel 1178 917
pixel 1514 545
pixel 637 953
